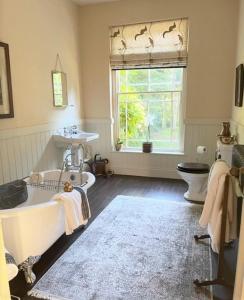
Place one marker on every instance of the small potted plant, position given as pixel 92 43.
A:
pixel 118 144
pixel 147 146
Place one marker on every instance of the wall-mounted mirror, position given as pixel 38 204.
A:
pixel 60 97
pixel 6 100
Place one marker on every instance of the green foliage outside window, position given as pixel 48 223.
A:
pixel 149 97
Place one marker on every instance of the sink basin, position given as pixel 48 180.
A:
pixel 63 140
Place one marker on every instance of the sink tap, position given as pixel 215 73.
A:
pixel 74 129
pixel 66 131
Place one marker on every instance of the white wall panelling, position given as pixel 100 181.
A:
pixel 32 149
pixel 197 132
pixel 28 149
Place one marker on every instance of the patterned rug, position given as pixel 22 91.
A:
pixel 137 248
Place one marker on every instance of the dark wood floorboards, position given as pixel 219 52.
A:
pixel 100 195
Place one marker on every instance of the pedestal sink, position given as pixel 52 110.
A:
pixel 74 142
pixel 64 140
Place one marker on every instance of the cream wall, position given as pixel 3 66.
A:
pixel 36 30
pixel 4 287
pixel 210 76
pixel 211 51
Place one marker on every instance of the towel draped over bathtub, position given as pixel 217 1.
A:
pixel 213 207
pixel 85 208
pixel 76 207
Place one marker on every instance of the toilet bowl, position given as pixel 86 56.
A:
pixel 196 176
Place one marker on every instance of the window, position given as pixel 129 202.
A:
pixel 148 62
pixel 148 107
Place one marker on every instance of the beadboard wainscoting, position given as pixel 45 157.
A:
pixel 197 132
pixel 23 150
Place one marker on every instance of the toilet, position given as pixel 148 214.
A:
pixel 196 176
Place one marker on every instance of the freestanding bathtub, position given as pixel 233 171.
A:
pixel 32 227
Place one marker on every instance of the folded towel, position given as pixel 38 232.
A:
pixel 13 194
pixel 213 206
pixel 72 203
pixel 11 265
pixel 85 207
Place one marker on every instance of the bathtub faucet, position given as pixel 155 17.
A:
pixel 66 164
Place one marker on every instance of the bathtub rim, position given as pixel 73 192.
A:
pixel 13 212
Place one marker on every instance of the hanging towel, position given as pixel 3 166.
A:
pixel 85 207
pixel 72 208
pixel 72 202
pixel 213 207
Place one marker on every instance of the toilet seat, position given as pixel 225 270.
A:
pixel 194 168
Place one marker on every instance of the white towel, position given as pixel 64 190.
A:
pixel 72 207
pixel 212 210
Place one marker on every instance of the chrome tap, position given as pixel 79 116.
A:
pixel 74 129
pixel 66 131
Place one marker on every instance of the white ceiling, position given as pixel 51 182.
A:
pixel 87 2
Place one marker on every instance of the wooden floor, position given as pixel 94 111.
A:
pixel 100 195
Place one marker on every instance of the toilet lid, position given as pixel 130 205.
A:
pixel 195 168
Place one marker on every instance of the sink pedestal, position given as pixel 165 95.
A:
pixel 77 154
pixel 75 144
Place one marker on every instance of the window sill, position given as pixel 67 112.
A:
pixel 154 152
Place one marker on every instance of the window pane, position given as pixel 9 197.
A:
pixel 132 114
pixel 149 107
pixel 165 79
pixel 147 80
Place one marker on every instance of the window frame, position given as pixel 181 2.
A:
pixel 115 114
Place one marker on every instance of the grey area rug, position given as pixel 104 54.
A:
pixel 137 248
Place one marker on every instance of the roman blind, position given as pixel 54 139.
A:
pixel 155 44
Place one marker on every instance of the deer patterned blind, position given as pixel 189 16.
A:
pixel 162 43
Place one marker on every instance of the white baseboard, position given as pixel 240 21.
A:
pixel 212 121
pixel 164 173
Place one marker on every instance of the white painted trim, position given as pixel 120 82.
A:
pixel 187 121
pixel 205 121
pixel 22 131
pixel 158 173
pixel 131 151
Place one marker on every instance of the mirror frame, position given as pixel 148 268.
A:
pixel 9 83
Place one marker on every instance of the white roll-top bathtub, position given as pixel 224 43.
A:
pixel 32 227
